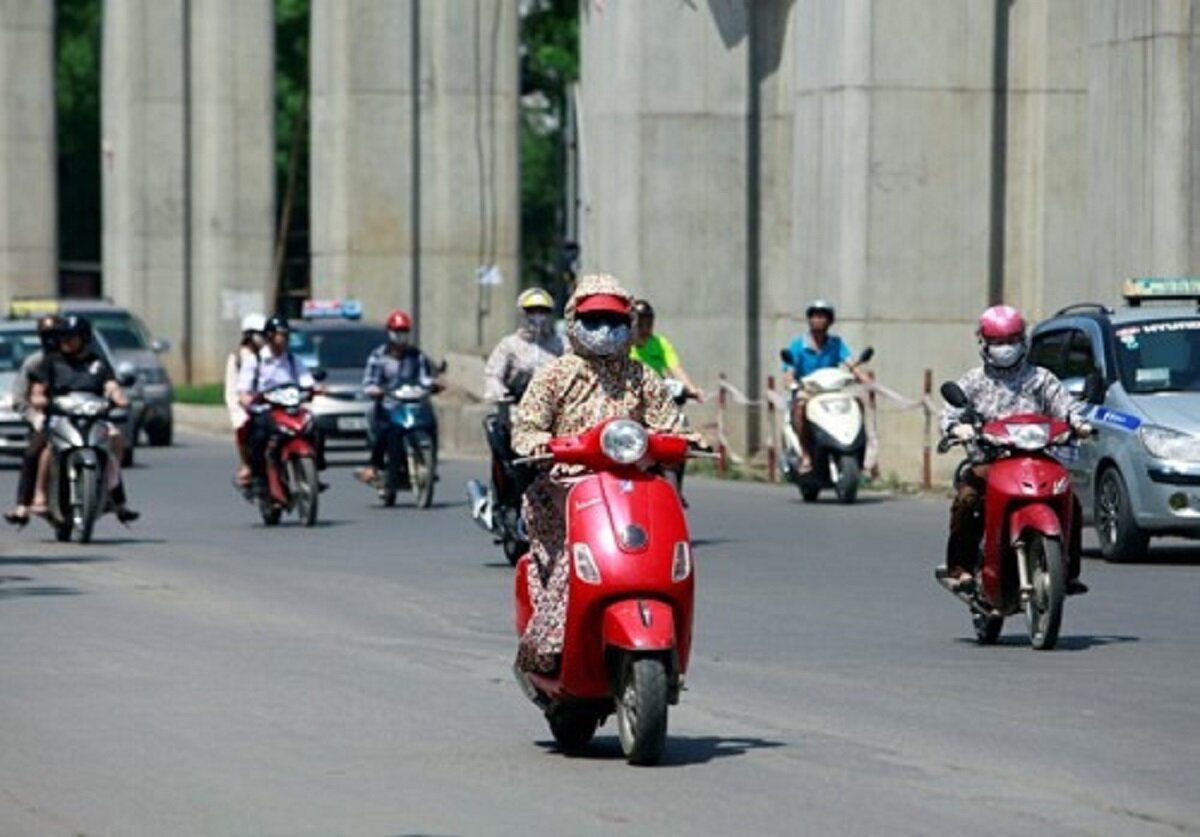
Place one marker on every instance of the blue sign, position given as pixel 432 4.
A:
pixel 1105 417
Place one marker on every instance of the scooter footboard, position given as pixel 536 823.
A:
pixel 639 625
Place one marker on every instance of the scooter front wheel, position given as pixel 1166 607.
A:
pixel 305 489
pixel 642 709
pixel 1047 574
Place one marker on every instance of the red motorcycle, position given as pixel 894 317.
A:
pixel 1027 520
pixel 628 631
pixel 292 484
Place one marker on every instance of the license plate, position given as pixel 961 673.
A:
pixel 351 423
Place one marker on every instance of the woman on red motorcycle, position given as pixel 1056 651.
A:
pixel 1006 384
pixel 595 381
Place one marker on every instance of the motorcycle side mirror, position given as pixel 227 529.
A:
pixel 126 374
pixel 319 375
pixel 953 395
pixel 440 369
pixel 786 356
pixel 867 354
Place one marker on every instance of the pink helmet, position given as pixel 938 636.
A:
pixel 1000 323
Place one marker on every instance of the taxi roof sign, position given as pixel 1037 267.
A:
pixel 28 307
pixel 332 309
pixel 1166 288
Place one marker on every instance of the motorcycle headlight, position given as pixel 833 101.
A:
pixel 1164 443
pixel 1028 436
pixel 624 441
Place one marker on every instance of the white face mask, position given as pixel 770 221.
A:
pixel 1006 355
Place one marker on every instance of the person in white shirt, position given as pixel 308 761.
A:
pixel 274 366
pixel 246 352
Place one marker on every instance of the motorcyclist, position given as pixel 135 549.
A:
pixel 246 352
pixel 507 373
pixel 516 357
pixel 597 380
pixel 274 365
pixel 47 328
pixel 391 365
pixel 1005 384
pixel 818 349
pixel 656 351
pixel 74 367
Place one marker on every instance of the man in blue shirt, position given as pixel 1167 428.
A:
pixel 818 349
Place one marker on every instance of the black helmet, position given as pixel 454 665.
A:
pixel 643 309
pixel 75 325
pixel 275 324
pixel 820 306
pixel 49 328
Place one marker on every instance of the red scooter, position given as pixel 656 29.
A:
pixel 628 629
pixel 292 483
pixel 1027 520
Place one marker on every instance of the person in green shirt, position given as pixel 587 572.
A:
pixel 656 351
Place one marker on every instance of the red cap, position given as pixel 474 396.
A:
pixel 603 302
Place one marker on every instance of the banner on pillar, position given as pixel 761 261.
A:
pixel 489 275
pixel 237 304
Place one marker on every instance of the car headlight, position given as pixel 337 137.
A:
pixel 624 441
pixel 1164 443
pixel 1028 436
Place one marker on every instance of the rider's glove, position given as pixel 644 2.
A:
pixel 963 432
pixel 1084 430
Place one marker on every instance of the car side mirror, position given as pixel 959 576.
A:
pixel 867 354
pixel 1093 388
pixel 786 356
pixel 953 395
pixel 160 346
pixel 126 374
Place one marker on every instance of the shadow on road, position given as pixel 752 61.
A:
pixel 682 750
pixel 1166 555
pixel 832 500
pixel 41 560
pixel 1065 643
pixel 38 590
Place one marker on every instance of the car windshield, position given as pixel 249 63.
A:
pixel 341 348
pixel 120 331
pixel 15 346
pixel 1160 356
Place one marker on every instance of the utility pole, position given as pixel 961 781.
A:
pixel 187 193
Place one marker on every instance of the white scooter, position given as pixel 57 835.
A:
pixel 833 413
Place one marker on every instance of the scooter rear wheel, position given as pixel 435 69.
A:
pixel 573 729
pixel 642 710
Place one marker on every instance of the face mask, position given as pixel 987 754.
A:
pixel 1006 355
pixel 399 339
pixel 537 322
pixel 601 339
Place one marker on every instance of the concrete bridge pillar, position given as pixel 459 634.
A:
pixel 147 203
pixel 1143 82
pixel 405 219
pixel 28 215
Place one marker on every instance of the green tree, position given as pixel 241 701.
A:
pixel 549 65
pixel 77 89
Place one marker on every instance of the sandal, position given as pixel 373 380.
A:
pixel 17 517
pixel 366 475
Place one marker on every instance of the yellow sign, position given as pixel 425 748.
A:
pixel 30 307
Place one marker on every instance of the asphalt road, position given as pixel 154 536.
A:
pixel 201 674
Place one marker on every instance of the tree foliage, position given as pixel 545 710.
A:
pixel 77 90
pixel 549 65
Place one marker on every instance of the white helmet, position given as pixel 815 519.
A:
pixel 253 322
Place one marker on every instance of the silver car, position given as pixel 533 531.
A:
pixel 1138 369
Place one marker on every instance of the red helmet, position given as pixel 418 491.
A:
pixel 399 321
pixel 1001 323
